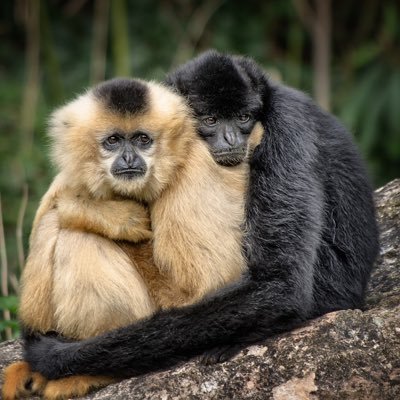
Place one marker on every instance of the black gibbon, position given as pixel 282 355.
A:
pixel 120 146
pixel 311 235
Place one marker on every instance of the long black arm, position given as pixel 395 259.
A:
pixel 241 314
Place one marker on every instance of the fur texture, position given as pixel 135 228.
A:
pixel 311 235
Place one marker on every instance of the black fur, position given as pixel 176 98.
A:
pixel 311 235
pixel 123 95
pixel 213 84
pixel 216 86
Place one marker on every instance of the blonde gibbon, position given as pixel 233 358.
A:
pixel 139 218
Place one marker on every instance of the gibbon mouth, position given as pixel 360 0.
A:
pixel 229 158
pixel 129 173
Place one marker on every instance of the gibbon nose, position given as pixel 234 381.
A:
pixel 129 159
pixel 230 136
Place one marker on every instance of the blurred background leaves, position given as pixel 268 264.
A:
pixel 345 54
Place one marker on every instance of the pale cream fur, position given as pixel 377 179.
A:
pixel 81 284
pixel 77 283
pixel 78 280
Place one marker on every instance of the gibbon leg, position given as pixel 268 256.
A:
pixel 96 286
pixel 74 386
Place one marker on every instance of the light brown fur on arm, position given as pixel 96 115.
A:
pixel 115 219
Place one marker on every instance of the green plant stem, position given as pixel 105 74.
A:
pixel 4 272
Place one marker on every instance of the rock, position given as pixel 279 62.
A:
pixel 350 354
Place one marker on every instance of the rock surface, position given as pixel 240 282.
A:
pixel 349 354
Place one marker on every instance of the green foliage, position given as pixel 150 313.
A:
pixel 9 303
pixel 371 110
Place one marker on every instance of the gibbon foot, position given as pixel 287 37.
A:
pixel 219 354
pixel 74 386
pixel 20 381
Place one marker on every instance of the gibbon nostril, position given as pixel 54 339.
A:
pixel 230 136
pixel 128 158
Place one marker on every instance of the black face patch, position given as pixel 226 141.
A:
pixel 122 95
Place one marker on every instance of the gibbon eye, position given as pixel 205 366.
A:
pixel 144 139
pixel 210 121
pixel 112 139
pixel 244 117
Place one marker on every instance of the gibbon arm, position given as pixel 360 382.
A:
pixel 113 219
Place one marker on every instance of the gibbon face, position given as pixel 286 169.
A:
pixel 127 158
pixel 124 150
pixel 226 103
pixel 120 137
